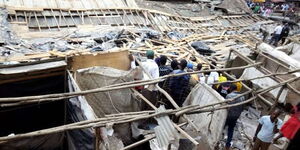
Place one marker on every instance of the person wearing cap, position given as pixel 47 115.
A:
pixel 233 113
pixel 150 65
pixel 190 67
pixel 150 91
pixel 221 79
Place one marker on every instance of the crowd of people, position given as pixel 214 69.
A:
pixel 266 9
pixel 180 86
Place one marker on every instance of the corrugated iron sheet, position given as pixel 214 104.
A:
pixel 34 67
pixel 210 124
pixel 165 131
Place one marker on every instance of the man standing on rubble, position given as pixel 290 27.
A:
pixel 284 33
pixel 267 128
pixel 276 35
pixel 233 113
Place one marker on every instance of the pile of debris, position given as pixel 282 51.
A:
pixel 197 7
pixel 98 96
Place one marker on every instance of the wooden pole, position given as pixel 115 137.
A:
pixel 277 98
pixel 280 79
pixel 174 104
pixel 140 81
pixel 130 118
pixel 112 87
pixel 139 142
pixel 259 93
pixel 98 138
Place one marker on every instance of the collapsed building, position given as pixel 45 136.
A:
pixel 67 82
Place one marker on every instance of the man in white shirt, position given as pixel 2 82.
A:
pixel 267 128
pixel 150 65
pixel 207 78
pixel 276 35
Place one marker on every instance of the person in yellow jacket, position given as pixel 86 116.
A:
pixel 238 86
pixel 220 79
pixel 224 79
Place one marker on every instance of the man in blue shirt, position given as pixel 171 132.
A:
pixel 179 85
pixel 233 113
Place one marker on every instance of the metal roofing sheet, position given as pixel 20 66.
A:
pixel 32 68
pixel 165 131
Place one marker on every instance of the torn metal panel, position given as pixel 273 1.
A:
pixel 165 131
pixel 32 68
pixel 209 124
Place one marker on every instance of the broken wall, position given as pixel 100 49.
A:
pixel 277 62
pixel 209 124
pixel 291 49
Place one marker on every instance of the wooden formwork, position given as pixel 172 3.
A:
pixel 49 19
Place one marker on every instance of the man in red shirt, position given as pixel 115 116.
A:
pixel 290 129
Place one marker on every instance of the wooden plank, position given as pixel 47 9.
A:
pixel 111 59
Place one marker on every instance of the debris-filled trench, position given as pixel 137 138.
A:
pixel 139 74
